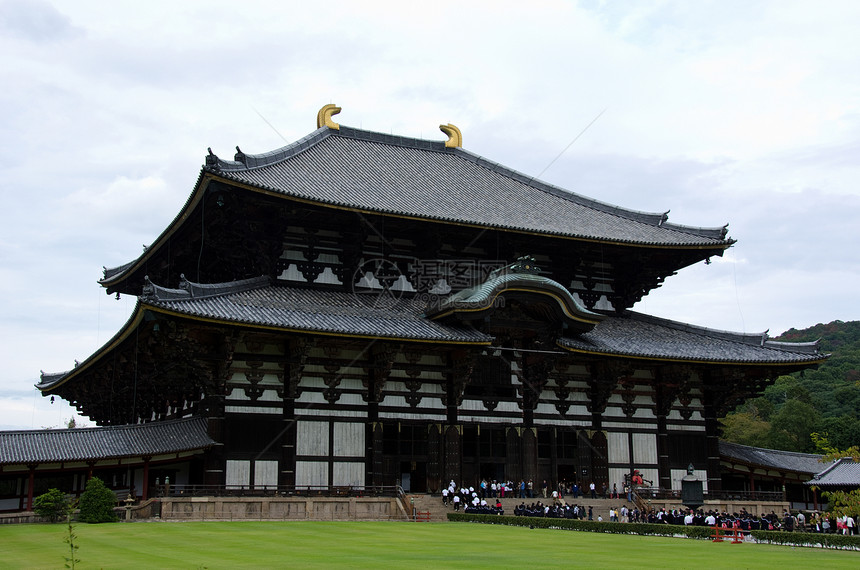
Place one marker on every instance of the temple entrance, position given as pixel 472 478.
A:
pixel 492 472
pixel 413 476
pixel 567 474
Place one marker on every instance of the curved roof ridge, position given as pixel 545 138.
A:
pixel 245 161
pixel 716 233
pixel 757 339
pixel 808 347
pixel 191 290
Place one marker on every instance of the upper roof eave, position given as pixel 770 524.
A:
pixel 229 171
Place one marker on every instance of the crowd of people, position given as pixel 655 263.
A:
pixel 745 521
pixel 485 499
pixel 528 489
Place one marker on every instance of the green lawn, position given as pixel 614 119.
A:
pixel 382 545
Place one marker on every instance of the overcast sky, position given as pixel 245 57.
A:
pixel 738 112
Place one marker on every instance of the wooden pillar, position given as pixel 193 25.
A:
pixel 145 491
pixel 31 482
pixel 287 460
pixel 453 455
pixel 513 456
pixel 712 444
pixel 664 399
pixel 434 459
pixel 529 447
pixel 213 459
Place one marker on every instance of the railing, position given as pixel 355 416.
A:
pixel 769 496
pixel 641 495
pixel 646 493
pixel 273 491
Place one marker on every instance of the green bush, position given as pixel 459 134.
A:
pixel 699 532
pixel 53 505
pixel 97 503
pixel 807 539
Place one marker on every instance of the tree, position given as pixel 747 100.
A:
pixel 746 429
pixel 841 502
pixel 53 505
pixel 791 427
pixel 97 503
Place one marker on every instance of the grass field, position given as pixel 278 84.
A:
pixel 383 545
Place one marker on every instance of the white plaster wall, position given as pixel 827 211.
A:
pixel 644 448
pixel 313 473
pixel 616 475
pixel 619 449
pixel 348 440
pixel 348 474
pixel 238 473
pixel 311 438
pixel 265 474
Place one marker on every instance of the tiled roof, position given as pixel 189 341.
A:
pixel 644 336
pixel 420 178
pixel 89 444
pixel 254 301
pixel 842 473
pixel 806 463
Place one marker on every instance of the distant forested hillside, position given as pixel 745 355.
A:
pixel 825 400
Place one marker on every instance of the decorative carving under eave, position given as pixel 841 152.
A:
pixel 332 393
pixel 217 383
pixel 534 373
pixel 604 378
pixel 376 374
pixel 462 365
pixel 628 396
pixel 298 350
pixel 331 376
pixel 413 398
pixel 725 388
pixel 674 381
pixel 254 376
pixel 490 402
pixel 562 406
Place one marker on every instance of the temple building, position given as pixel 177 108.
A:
pixel 364 309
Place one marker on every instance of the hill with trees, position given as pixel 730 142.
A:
pixel 825 400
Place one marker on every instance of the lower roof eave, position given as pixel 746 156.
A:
pixel 686 360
